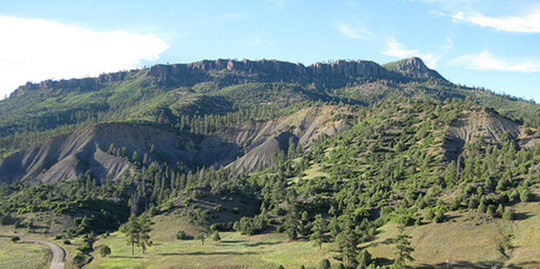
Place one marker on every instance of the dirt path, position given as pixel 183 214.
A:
pixel 59 254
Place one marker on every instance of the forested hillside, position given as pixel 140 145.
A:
pixel 332 153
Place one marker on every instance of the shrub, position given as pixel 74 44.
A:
pixel 525 195
pixel 67 242
pixel 15 239
pixel 80 259
pixel 219 227
pixel 429 214
pixel 5 219
pixel 104 251
pixel 181 235
pixel 491 210
pixel 216 237
pixel 439 216
pixel 85 247
pixel 508 214
pixel 324 264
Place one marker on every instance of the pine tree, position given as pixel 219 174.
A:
pixel 133 232
pixel 404 249
pixel 348 243
pixel 318 229
pixel 292 222
pixel 216 237
pixel 144 232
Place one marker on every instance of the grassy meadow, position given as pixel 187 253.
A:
pixel 23 255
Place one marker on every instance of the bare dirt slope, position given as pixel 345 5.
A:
pixel 477 123
pixel 68 156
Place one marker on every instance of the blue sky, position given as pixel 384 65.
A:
pixel 493 44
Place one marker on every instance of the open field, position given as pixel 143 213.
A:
pixel 23 255
pixel 233 251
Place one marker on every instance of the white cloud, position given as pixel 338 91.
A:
pixel 355 32
pixel 524 24
pixel 486 61
pixel 36 50
pixel 396 49
pixel 257 41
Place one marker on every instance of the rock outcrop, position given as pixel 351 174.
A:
pixel 180 75
pixel 477 123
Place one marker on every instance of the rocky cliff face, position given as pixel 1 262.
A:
pixel 69 85
pixel 234 71
pixel 414 67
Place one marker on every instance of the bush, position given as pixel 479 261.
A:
pixel 439 216
pixel 525 196
pixel 508 214
pixel 85 247
pixel 491 209
pixel 364 258
pixel 5 219
pixel 222 227
pixel 429 214
pixel 80 259
pixel 104 251
pixel 67 242
pixel 216 237
pixel 324 264
pixel 15 239
pixel 181 235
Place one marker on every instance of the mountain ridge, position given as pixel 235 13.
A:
pixel 181 74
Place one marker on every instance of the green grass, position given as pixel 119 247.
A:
pixel 470 238
pixel 234 251
pixel 23 255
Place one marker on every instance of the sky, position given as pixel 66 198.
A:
pixel 483 43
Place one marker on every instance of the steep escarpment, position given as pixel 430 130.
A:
pixel 228 72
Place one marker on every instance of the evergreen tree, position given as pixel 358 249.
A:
pixel 348 244
pixel 318 230
pixel 133 232
pixel 216 237
pixel 144 232
pixel 404 249
pixel 292 223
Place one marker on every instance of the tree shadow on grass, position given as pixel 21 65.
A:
pixel 261 244
pixel 521 216
pixel 201 253
pixel 387 241
pixel 465 264
pixel 523 264
pixel 124 257
pixel 232 241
